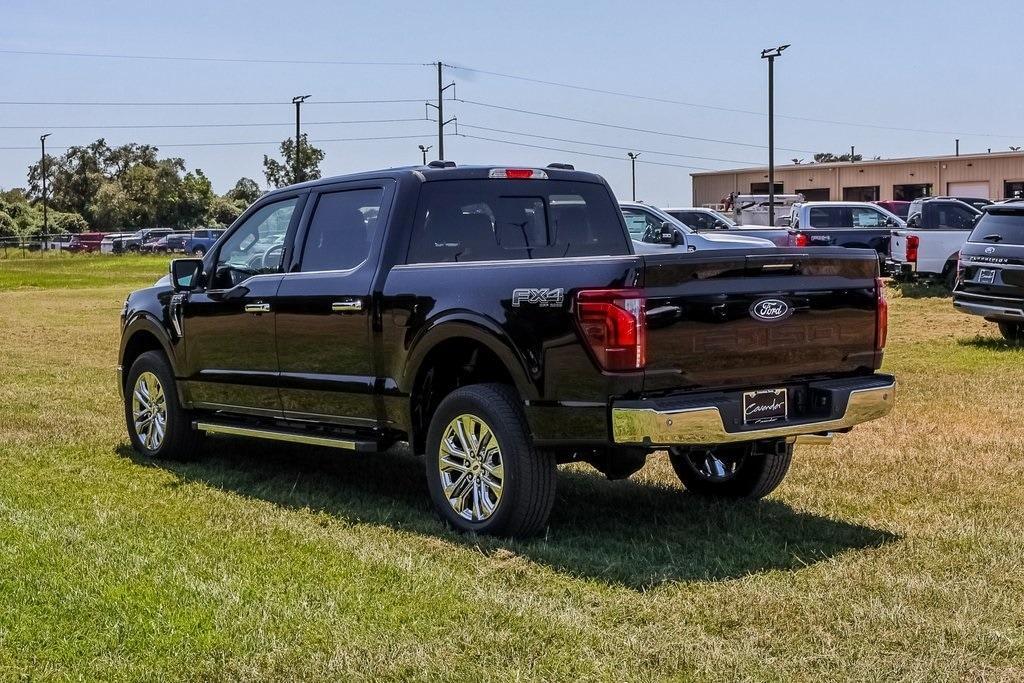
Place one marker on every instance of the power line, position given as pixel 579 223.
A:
pixel 712 107
pixel 419 100
pixel 586 154
pixel 621 127
pixel 208 125
pixel 259 142
pixel 244 60
pixel 598 144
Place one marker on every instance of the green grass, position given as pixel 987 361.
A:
pixel 896 553
pixel 35 270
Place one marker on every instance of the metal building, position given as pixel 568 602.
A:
pixel 993 175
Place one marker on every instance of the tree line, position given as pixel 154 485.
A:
pixel 110 188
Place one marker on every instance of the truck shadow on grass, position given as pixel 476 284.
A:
pixel 620 533
pixel 921 289
pixel 990 343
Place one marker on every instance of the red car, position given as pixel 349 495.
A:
pixel 86 242
pixel 900 208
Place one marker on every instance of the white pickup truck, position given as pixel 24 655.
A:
pixel 936 230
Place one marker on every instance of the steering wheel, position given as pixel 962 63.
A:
pixel 264 263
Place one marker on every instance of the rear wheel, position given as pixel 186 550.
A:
pixel 1012 332
pixel 949 275
pixel 199 252
pixel 747 470
pixel 483 471
pixel 157 424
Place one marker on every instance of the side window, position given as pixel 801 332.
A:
pixel 256 246
pixel 821 217
pixel 636 223
pixel 342 230
pixel 867 218
pixel 955 217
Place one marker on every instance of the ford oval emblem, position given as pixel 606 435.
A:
pixel 770 310
pixel 989 250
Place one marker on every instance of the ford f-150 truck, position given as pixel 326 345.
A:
pixel 860 225
pixel 498 320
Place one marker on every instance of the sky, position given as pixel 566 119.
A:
pixel 892 79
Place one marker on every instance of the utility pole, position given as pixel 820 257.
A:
pixel 425 149
pixel 632 163
pixel 770 54
pixel 42 170
pixel 958 146
pixel 296 163
pixel 851 153
pixel 441 123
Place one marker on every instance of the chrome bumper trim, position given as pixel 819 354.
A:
pixel 983 309
pixel 704 425
pixel 813 439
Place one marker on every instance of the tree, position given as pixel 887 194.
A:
pixel 279 174
pixel 827 157
pixel 246 190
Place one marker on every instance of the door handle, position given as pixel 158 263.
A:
pixel 347 305
pixel 257 308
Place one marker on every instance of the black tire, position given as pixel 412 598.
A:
pixel 529 475
pixel 180 441
pixel 949 276
pixel 199 252
pixel 1012 332
pixel 760 468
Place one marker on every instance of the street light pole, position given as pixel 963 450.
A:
pixel 42 170
pixel 632 164
pixel 770 54
pixel 425 149
pixel 296 163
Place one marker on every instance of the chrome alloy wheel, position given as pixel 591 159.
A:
pixel 149 410
pixel 708 465
pixel 471 469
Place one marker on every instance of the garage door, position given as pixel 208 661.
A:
pixel 973 189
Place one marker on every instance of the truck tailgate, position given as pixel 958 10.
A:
pixel 718 319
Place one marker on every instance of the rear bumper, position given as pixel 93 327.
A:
pixel 900 268
pixel 715 418
pixel 989 307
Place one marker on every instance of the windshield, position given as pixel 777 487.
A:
pixel 1000 228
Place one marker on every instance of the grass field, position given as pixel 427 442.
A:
pixel 896 553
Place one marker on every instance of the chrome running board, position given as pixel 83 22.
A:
pixel 283 435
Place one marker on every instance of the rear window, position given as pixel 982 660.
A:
pixel 999 228
pixel 490 220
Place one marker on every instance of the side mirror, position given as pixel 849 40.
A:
pixel 185 273
pixel 668 234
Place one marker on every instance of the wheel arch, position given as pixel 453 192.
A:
pixel 140 335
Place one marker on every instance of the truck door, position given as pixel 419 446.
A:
pixel 946 228
pixel 325 306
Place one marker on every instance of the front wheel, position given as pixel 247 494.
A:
pixel 157 424
pixel 1012 332
pixel 199 252
pixel 483 471
pixel 746 470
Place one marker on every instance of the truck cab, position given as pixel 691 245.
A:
pixel 931 240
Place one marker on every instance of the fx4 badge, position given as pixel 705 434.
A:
pixel 546 298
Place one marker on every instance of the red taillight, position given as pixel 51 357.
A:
pixel 913 241
pixel 881 315
pixel 801 240
pixel 613 325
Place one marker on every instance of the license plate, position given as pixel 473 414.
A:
pixel 986 276
pixel 767 405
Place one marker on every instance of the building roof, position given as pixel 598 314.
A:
pixel 866 162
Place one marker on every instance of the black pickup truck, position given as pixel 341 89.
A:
pixel 857 225
pixel 498 320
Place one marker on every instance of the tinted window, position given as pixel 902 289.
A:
pixel 828 217
pixel 952 216
pixel 1000 228
pixel 341 230
pixel 482 220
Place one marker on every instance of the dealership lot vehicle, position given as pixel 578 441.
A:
pixel 86 242
pixel 648 225
pixel 859 225
pixel 113 242
pixel 897 207
pixel 706 221
pixel 200 241
pixel 752 209
pixel 928 245
pixel 499 321
pixel 135 241
pixel 990 277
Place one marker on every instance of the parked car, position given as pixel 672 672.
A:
pixel 86 242
pixel 752 209
pixel 709 221
pixel 895 206
pixel 200 241
pixel 135 241
pixel 936 230
pixel 990 272
pixel 520 331
pixel 977 202
pixel 650 225
pixel 860 225
pixel 114 242
pixel 176 241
